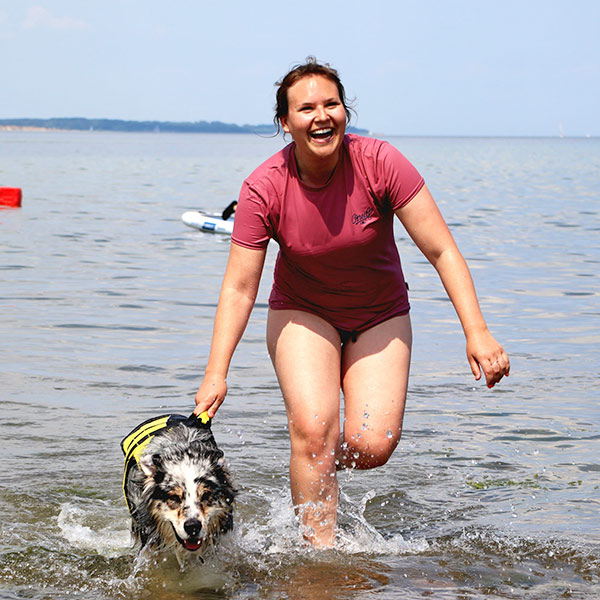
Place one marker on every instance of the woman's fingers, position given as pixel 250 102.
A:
pixel 210 394
pixel 475 368
pixel 485 354
pixel 495 368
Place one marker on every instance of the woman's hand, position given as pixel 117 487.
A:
pixel 486 354
pixel 211 393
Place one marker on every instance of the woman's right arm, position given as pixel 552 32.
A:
pixel 238 294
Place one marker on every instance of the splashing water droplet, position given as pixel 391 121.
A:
pixel 389 433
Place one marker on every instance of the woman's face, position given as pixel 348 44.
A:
pixel 316 120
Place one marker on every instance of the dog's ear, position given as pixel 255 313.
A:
pixel 151 465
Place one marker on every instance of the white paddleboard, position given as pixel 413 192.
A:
pixel 204 222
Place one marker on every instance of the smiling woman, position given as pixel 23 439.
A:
pixel 310 68
pixel 312 108
pixel 317 122
pixel 338 311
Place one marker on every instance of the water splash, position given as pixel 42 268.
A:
pixel 358 536
pixel 109 540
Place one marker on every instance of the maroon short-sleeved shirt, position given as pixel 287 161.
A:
pixel 337 253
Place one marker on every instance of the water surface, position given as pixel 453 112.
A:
pixel 106 305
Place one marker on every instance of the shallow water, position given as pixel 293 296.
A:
pixel 106 304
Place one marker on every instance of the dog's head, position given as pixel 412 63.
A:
pixel 187 487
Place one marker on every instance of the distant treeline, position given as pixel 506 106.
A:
pixel 81 124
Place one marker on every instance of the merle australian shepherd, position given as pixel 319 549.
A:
pixel 177 486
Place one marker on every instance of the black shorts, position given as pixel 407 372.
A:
pixel 347 336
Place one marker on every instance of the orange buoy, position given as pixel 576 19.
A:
pixel 10 196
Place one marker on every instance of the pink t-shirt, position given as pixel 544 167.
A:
pixel 337 254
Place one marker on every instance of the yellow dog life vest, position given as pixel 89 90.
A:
pixel 134 443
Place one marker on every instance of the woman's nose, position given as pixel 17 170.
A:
pixel 321 113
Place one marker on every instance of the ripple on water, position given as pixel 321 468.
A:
pixel 490 493
pixel 82 548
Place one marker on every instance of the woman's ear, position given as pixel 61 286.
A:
pixel 284 124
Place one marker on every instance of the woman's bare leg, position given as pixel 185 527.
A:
pixel 374 381
pixel 306 354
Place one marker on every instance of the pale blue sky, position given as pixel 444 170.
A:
pixel 419 67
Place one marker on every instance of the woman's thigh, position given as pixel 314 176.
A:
pixel 374 381
pixel 306 354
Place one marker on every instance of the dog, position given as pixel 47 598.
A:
pixel 177 486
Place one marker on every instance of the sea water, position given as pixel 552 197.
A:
pixel 106 306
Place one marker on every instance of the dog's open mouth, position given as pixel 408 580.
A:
pixel 191 544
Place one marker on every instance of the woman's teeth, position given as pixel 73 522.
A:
pixel 322 133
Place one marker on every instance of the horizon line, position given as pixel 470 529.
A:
pixel 45 124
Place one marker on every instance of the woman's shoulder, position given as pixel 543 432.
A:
pixel 360 145
pixel 383 165
pixel 371 155
pixel 376 152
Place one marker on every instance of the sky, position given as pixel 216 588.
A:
pixel 412 67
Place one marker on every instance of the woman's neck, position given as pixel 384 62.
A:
pixel 318 172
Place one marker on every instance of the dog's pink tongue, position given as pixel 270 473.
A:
pixel 191 545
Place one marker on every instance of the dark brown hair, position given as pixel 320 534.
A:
pixel 307 69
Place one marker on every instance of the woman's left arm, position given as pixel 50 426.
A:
pixel 426 226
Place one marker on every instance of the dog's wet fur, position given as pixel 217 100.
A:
pixel 181 494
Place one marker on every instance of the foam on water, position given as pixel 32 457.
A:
pixel 362 537
pixel 267 554
pixel 280 534
pixel 108 540
pixel 256 548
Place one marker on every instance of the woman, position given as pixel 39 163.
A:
pixel 338 311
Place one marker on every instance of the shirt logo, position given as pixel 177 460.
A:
pixel 361 218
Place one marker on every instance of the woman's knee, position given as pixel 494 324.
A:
pixel 369 449
pixel 314 437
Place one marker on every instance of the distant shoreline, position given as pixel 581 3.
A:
pixel 83 124
pixel 21 128
pixel 116 125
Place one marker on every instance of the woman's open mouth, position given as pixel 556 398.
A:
pixel 322 135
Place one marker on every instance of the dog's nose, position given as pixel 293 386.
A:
pixel 193 527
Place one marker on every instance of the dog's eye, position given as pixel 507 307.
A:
pixel 173 500
pixel 205 497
